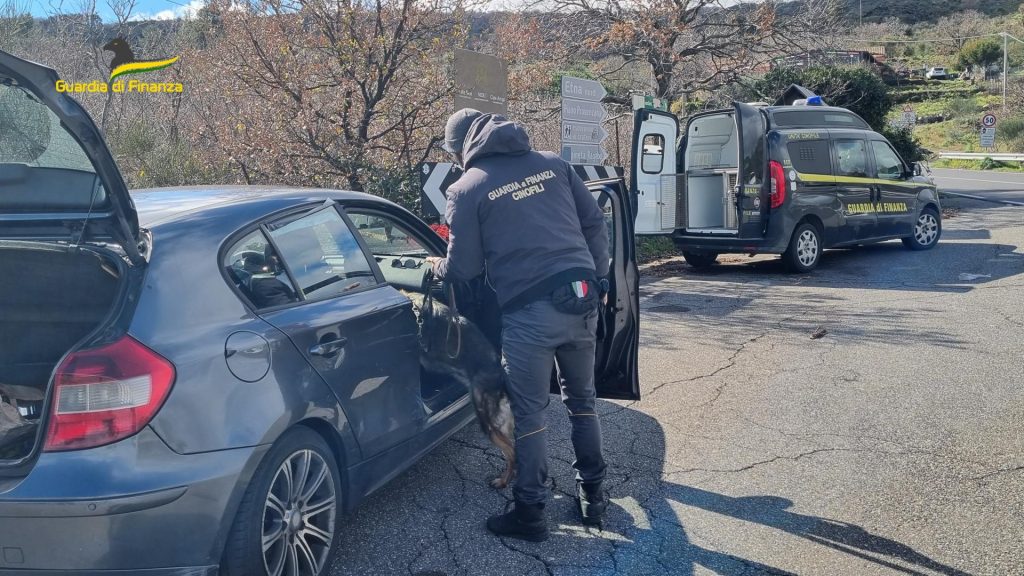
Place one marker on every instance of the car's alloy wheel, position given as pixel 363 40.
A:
pixel 286 522
pixel 926 229
pixel 299 516
pixel 807 247
pixel 804 249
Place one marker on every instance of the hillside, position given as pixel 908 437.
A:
pixel 914 11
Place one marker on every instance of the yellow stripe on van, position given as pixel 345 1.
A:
pixel 829 179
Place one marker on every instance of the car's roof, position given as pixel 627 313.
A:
pixel 161 205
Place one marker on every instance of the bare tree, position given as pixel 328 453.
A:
pixel 328 91
pixel 953 31
pixel 716 42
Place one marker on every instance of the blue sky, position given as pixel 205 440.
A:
pixel 144 9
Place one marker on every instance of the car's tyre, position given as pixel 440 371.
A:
pixel 804 251
pixel 286 521
pixel 927 230
pixel 700 259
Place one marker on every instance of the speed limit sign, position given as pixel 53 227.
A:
pixel 988 120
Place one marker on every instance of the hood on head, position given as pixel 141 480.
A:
pixel 492 134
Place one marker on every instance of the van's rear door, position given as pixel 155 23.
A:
pixel 751 185
pixel 654 196
pixel 58 180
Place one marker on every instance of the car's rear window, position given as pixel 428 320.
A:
pixel 31 134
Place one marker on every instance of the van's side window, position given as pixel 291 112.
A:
pixel 887 162
pixel 852 158
pixel 810 156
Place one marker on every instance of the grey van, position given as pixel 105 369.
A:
pixel 788 179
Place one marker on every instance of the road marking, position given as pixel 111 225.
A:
pixel 976 180
pixel 982 198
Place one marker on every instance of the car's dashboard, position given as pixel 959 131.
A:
pixel 405 272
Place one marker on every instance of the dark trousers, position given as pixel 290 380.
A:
pixel 535 339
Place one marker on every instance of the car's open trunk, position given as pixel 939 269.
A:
pixel 50 299
pixel 712 164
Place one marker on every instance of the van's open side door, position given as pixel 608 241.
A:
pixel 752 182
pixel 652 176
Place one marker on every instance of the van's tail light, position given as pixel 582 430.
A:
pixel 106 394
pixel 778 184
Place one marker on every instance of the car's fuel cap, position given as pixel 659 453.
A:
pixel 247 355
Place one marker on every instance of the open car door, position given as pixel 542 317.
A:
pixel 616 372
pixel 752 199
pixel 654 187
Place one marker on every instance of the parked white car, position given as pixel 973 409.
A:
pixel 936 73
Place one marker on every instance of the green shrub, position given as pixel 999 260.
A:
pixel 903 140
pixel 1011 128
pixel 650 248
pixel 854 87
pixel 963 107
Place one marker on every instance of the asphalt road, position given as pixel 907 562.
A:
pixel 1005 187
pixel 891 444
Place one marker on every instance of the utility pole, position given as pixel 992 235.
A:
pixel 1004 72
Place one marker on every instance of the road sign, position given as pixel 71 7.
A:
pixel 481 82
pixel 582 132
pixel 988 120
pixel 909 117
pixel 435 178
pixel 582 89
pixel 640 102
pixel 582 111
pixel 583 153
pixel 988 136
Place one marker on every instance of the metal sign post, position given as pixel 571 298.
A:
pixel 582 115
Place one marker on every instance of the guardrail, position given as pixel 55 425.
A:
pixel 1001 156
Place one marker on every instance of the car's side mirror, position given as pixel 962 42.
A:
pixel 916 170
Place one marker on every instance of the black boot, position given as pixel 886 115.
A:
pixel 592 502
pixel 525 522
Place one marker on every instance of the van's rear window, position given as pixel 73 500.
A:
pixel 809 118
pixel 810 156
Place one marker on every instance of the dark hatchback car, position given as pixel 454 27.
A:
pixel 203 380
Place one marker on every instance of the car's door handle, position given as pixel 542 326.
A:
pixel 329 348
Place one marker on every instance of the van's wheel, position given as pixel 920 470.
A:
pixel 285 525
pixel 804 249
pixel 927 230
pixel 700 259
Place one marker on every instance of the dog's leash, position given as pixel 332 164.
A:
pixel 453 320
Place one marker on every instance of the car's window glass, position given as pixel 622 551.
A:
pixel 604 202
pixel 887 162
pixel 255 268
pixel 322 254
pixel 852 159
pixel 399 254
pixel 383 236
pixel 810 118
pixel 30 133
pixel 810 156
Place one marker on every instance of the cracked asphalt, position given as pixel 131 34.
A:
pixel 891 443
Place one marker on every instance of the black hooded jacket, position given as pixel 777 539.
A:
pixel 524 214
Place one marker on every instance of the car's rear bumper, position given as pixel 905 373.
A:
pixel 132 507
pixel 723 244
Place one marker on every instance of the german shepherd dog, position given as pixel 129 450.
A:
pixel 454 346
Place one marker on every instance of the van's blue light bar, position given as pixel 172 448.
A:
pixel 815 101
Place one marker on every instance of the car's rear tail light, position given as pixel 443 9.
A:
pixel 106 394
pixel 778 184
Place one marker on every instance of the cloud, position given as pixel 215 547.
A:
pixel 185 11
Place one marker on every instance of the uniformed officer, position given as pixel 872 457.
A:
pixel 528 219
